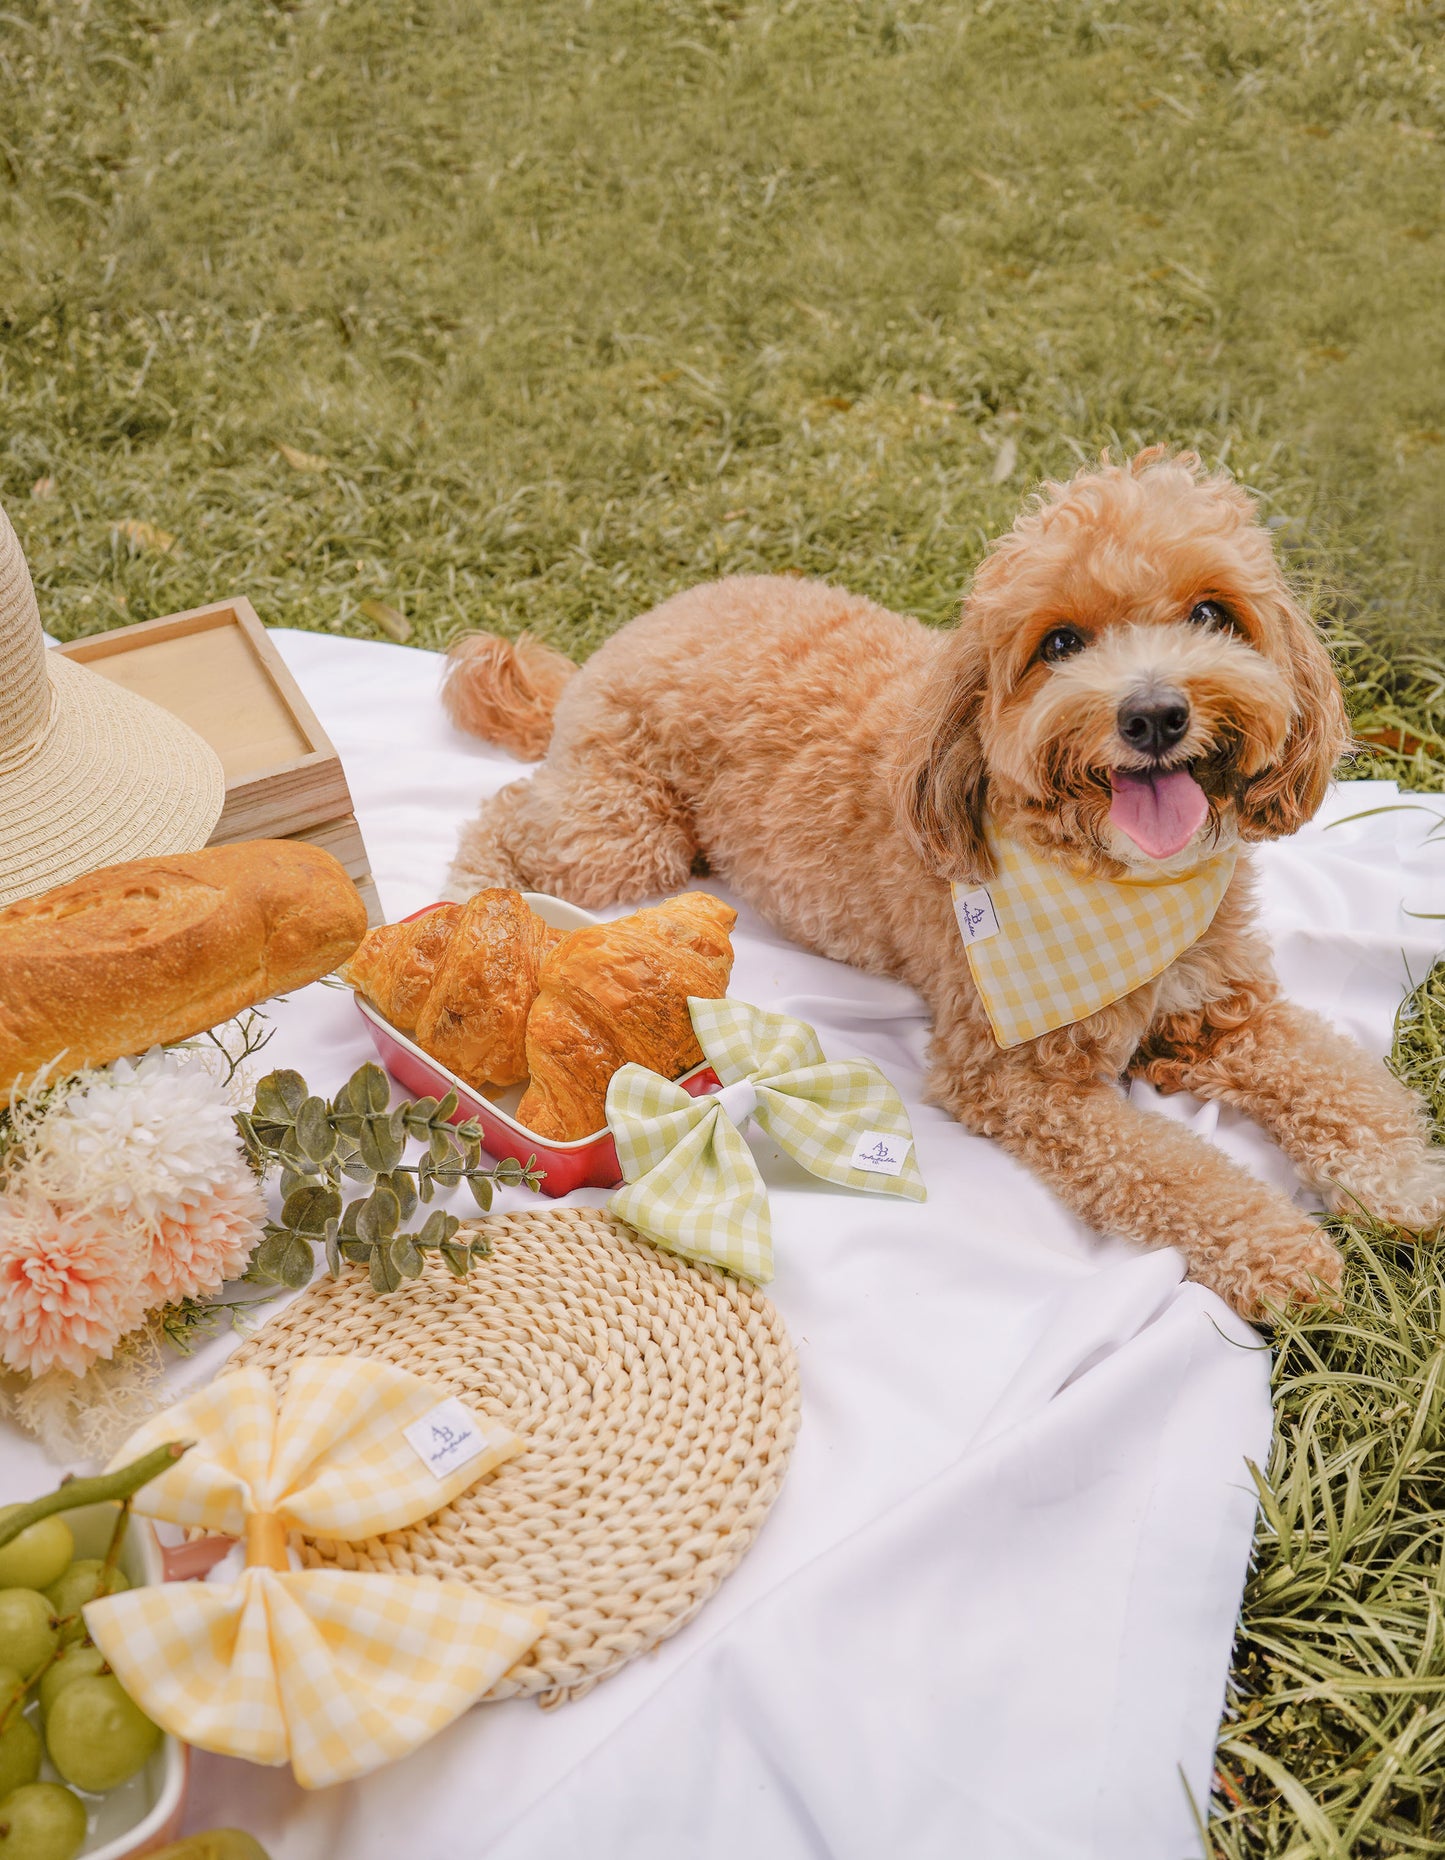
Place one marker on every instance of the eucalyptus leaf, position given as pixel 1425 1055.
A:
pixel 418 1115
pixel 446 1109
pixel 370 1088
pixel 279 1096
pixel 378 1216
pixel 309 1208
pixel 384 1275
pixel 268 1258
pixel 458 1259
pixel 292 1155
pixel 358 1251
pixel 380 1149
pixel 400 1184
pixel 405 1257
pixel 313 1130
pixel 333 1248
pixel 299 1266
pixel 481 1188
pixel 438 1228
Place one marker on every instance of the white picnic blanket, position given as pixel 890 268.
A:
pixel 992 1609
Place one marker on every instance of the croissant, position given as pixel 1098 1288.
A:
pixel 616 992
pixel 460 981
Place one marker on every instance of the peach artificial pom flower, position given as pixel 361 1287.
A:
pixel 69 1289
pixel 206 1240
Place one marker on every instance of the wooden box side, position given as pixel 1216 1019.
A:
pixel 215 668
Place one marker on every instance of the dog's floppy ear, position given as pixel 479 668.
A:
pixel 940 781
pixel 1282 797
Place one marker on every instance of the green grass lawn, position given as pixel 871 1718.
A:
pixel 413 317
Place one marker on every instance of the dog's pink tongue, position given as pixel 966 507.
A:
pixel 1160 813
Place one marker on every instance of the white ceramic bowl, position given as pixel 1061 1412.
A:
pixel 145 1812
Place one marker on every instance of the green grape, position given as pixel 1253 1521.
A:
pixel 214 1844
pixel 70 1592
pixel 41 1821
pixel 27 1629
pixel 19 1754
pixel 97 1735
pixel 38 1555
pixel 11 1682
pixel 73 1663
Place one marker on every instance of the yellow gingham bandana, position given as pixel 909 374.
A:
pixel 336 1670
pixel 692 1183
pixel 1048 946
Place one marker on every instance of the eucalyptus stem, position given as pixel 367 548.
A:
pixel 122 1484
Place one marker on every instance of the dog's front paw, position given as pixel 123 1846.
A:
pixel 1405 1188
pixel 1280 1269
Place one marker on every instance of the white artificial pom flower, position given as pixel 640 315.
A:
pixel 143 1141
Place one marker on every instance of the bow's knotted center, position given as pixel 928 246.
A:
pixel 266 1542
pixel 737 1102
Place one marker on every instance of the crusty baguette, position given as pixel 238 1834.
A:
pixel 159 949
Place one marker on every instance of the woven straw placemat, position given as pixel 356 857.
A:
pixel 658 1400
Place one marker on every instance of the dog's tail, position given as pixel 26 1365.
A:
pixel 505 691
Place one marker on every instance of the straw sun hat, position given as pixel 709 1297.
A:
pixel 90 774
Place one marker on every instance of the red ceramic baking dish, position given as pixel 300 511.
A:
pixel 585 1162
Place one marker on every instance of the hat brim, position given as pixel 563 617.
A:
pixel 115 777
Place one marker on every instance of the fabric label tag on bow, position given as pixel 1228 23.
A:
pixel 445 1439
pixel 880 1154
pixel 332 1670
pixel 692 1181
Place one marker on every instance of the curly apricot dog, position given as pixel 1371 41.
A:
pixel 1131 685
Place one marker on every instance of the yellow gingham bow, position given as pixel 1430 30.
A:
pixel 692 1183
pixel 336 1670
pixel 1049 947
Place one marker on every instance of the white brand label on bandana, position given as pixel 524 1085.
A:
pixel 878 1153
pixel 976 916
pixel 445 1438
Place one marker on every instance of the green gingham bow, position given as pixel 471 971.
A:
pixel 692 1184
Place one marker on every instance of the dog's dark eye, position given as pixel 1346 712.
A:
pixel 1210 614
pixel 1062 643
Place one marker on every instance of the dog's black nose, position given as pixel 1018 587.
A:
pixel 1153 724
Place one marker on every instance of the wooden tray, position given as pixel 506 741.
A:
pixel 216 670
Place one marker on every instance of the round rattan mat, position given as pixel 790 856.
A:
pixel 658 1401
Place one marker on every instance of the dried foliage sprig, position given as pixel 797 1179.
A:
pixel 360 1136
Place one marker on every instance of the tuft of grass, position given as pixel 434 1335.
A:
pixel 530 315
pixel 1333 1743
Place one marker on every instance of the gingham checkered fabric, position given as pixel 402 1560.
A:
pixel 692 1182
pixel 1049 947
pixel 334 1670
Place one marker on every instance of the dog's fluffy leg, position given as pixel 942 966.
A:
pixel 1134 1173
pixel 593 835
pixel 1358 1134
